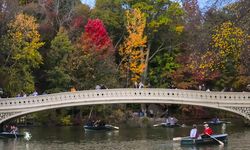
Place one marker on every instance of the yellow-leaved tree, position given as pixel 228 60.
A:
pixel 21 46
pixel 223 59
pixel 25 40
pixel 228 41
pixel 133 50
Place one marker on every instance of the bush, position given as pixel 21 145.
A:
pixel 66 121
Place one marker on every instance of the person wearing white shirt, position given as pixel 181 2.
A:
pixel 194 132
pixel 141 85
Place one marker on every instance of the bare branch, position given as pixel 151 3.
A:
pixel 160 48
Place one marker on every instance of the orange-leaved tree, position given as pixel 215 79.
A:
pixel 133 50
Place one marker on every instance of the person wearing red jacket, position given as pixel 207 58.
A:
pixel 207 131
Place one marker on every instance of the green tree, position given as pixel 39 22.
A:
pixel 113 18
pixel 163 15
pixel 21 54
pixel 162 69
pixel 88 70
pixel 58 74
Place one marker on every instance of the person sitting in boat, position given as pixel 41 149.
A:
pixel 216 120
pixel 168 121
pixel 207 131
pixel 102 123
pixel 90 123
pixel 194 132
pixel 97 123
pixel 6 128
pixel 13 129
pixel 173 121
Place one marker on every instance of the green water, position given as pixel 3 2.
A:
pixel 127 138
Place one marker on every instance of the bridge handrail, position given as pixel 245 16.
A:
pixel 128 93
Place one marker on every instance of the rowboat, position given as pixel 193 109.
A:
pixel 106 127
pixel 26 135
pixel 217 122
pixel 167 125
pixel 10 135
pixel 213 139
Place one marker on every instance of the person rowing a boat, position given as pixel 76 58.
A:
pixel 97 123
pixel 90 123
pixel 207 131
pixel 194 132
pixel 13 129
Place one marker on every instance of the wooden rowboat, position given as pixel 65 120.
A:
pixel 10 135
pixel 208 140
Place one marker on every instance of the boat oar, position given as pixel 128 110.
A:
pixel 177 138
pixel 15 135
pixel 115 127
pixel 159 124
pixel 220 142
pixel 156 125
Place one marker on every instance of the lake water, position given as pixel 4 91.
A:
pixel 127 138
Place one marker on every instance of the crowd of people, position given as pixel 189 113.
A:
pixel 23 94
pixel 101 86
pixel 140 85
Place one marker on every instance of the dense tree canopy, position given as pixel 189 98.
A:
pixel 52 45
pixel 57 45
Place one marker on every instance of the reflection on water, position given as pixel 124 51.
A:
pixel 74 138
pixel 223 128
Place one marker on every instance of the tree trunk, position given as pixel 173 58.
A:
pixel 146 64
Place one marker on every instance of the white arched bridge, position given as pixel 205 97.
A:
pixel 237 102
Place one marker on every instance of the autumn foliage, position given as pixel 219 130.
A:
pixel 77 22
pixel 228 42
pixel 203 66
pixel 133 50
pixel 25 38
pixel 95 39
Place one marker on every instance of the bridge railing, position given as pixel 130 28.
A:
pixel 112 94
